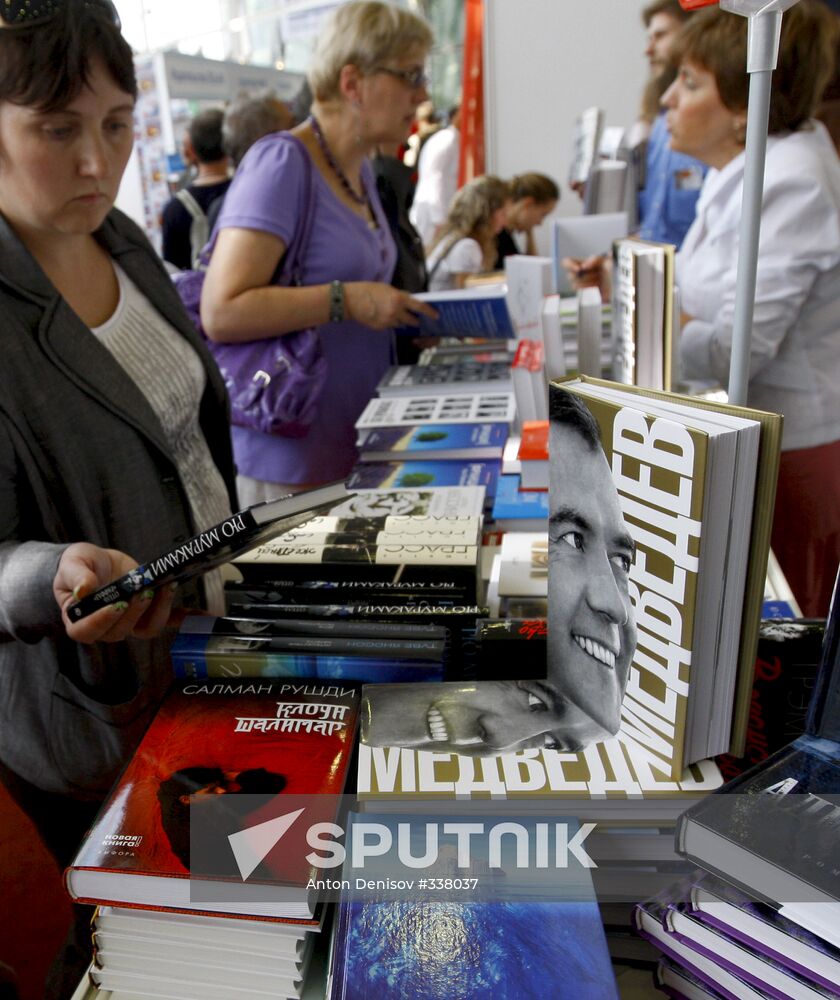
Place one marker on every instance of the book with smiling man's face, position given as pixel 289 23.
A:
pixel 690 496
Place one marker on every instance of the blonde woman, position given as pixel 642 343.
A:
pixel 367 76
pixel 466 243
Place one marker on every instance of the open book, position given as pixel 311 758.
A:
pixel 214 546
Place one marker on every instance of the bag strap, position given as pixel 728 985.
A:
pixel 190 204
pixel 294 260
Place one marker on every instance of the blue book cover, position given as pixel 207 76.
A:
pixel 472 951
pixel 481 311
pixel 200 656
pixel 514 504
pixel 468 441
pixel 777 609
pixel 494 943
pixel 411 475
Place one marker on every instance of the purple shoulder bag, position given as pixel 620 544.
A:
pixel 274 384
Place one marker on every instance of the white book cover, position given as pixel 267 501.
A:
pixel 552 337
pixel 438 408
pixel 439 502
pixel 589 332
pixel 524 564
pixel 529 279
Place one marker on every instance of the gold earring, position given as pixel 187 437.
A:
pixel 740 132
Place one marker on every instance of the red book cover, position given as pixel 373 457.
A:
pixel 282 744
pixel 533 445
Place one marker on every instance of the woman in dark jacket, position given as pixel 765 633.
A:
pixel 114 440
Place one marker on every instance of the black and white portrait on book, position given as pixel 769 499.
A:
pixel 591 623
pixel 591 627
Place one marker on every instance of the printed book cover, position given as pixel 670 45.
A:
pixel 441 407
pixel 418 474
pixel 470 442
pixel 481 949
pixel 533 455
pixel 518 509
pixel 476 373
pixel 377 584
pixel 759 533
pixel 322 657
pixel 773 830
pixel 665 492
pixel 272 739
pixel 379 505
pixel 511 648
pixel 463 742
pixel 346 572
pixel 716 979
pixel 390 530
pixel 480 311
pixel 416 552
pixel 214 546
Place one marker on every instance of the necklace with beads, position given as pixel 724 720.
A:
pixel 360 199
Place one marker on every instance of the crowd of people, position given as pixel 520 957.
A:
pixel 115 441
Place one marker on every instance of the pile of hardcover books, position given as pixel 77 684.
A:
pixel 762 917
pixel 379 543
pixel 440 424
pixel 198 896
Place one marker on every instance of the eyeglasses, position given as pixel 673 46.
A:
pixel 31 13
pixel 414 78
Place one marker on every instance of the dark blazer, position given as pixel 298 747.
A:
pixel 82 458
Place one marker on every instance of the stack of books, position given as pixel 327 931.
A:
pixel 361 546
pixel 762 918
pixel 190 860
pixel 644 308
pixel 518 509
pixel 577 334
pixel 518 585
pixel 309 648
pixel 444 422
pixel 529 382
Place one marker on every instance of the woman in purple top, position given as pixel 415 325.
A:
pixel 368 77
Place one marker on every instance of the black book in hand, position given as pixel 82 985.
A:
pixel 215 545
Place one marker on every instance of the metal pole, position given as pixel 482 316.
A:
pixel 764 31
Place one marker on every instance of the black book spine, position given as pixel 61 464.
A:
pixel 170 566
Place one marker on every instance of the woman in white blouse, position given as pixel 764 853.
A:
pixel 794 361
pixel 466 243
pixel 794 365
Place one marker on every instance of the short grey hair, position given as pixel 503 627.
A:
pixel 364 33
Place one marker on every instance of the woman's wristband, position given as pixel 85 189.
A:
pixel 336 302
